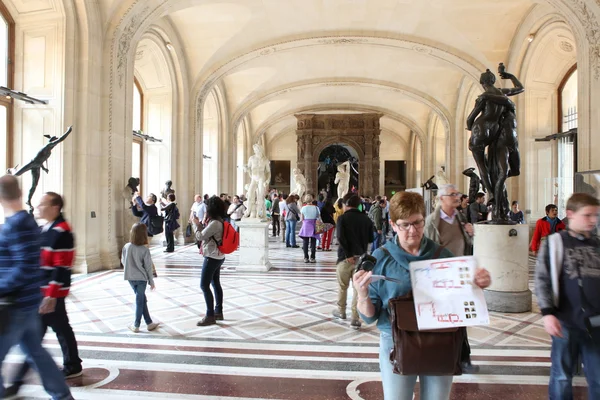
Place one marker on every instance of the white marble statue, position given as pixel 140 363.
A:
pixel 440 177
pixel 342 179
pixel 259 170
pixel 300 180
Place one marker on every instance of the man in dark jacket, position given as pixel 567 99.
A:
pixel 354 232
pixel 145 211
pixel 57 257
pixel 275 211
pixel 20 279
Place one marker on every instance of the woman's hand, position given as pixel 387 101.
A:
pixel 152 287
pixel 482 278
pixel 361 281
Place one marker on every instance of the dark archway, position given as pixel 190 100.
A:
pixel 330 157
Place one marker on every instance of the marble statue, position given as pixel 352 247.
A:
pixel 301 184
pixel 493 126
pixel 440 177
pixel 342 179
pixel 38 162
pixel 259 169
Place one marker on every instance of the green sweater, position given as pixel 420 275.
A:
pixel 395 266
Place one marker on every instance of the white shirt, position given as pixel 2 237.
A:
pixel 448 218
pixel 236 212
pixel 199 210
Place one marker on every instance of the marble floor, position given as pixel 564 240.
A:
pixel 278 339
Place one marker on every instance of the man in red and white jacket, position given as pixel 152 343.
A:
pixel 58 254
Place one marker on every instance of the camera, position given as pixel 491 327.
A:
pixel 366 262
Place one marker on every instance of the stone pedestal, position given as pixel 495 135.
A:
pixel 504 251
pixel 254 245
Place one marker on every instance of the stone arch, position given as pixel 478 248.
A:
pixel 412 93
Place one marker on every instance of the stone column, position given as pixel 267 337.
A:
pixel 503 251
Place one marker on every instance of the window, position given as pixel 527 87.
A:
pixel 137 147
pixel 210 147
pixel 567 158
pixel 7 48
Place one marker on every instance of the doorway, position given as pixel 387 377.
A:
pixel 329 159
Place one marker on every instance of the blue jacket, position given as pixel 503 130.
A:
pixel 147 212
pixel 395 266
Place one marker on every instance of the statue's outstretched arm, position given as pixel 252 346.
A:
pixel 518 86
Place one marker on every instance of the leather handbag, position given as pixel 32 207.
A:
pixel 188 230
pixel 427 352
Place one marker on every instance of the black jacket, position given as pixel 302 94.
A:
pixel 354 232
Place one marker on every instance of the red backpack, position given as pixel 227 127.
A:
pixel 230 241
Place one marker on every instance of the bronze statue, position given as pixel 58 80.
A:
pixel 474 183
pixel 493 125
pixel 167 190
pixel 38 162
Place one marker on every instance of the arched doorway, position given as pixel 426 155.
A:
pixel 329 159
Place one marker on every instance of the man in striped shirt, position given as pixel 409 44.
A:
pixel 58 253
pixel 20 281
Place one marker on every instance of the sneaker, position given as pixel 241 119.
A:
pixel 295 246
pixel 134 329
pixel 306 261
pixel 338 314
pixel 207 320
pixel 219 317
pixel 12 391
pixel 153 325
pixel 355 324
pixel 72 372
pixel 313 261
pixel 469 368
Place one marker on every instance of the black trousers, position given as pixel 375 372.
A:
pixel 276 225
pixel 170 240
pixel 466 349
pixel 313 246
pixel 59 322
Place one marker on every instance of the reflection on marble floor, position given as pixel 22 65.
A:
pixel 278 339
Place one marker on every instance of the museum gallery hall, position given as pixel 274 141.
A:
pixel 119 106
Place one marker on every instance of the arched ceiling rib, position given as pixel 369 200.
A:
pixel 249 104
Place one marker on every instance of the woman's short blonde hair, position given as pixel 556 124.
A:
pixel 308 198
pixel 403 205
pixel 139 234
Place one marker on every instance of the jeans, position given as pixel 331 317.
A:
pixel 401 387
pixel 141 302
pixel 290 232
pixel 376 239
pixel 313 247
pixel 170 240
pixel 565 353
pixel 344 272
pixel 211 274
pixel 24 329
pixel 59 322
pixel 234 224
pixel 276 226
pixel 326 239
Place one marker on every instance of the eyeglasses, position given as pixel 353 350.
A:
pixel 453 194
pixel 405 226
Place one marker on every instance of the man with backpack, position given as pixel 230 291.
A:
pixel 148 213
pixel 236 211
pixel 567 285
pixel 376 216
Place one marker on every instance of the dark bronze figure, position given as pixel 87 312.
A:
pixel 474 183
pixel 38 162
pixel 493 126
pixel 167 190
pixel 430 185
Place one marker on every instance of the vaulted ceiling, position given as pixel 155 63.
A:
pixel 406 58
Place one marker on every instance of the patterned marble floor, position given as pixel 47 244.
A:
pixel 278 340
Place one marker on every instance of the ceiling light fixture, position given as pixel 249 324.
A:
pixel 170 46
pixel 530 38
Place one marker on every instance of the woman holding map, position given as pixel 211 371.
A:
pixel 407 218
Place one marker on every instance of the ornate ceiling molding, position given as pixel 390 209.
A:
pixel 589 22
pixel 252 102
pixel 333 107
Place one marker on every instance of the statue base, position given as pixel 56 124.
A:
pixel 254 245
pixel 504 251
